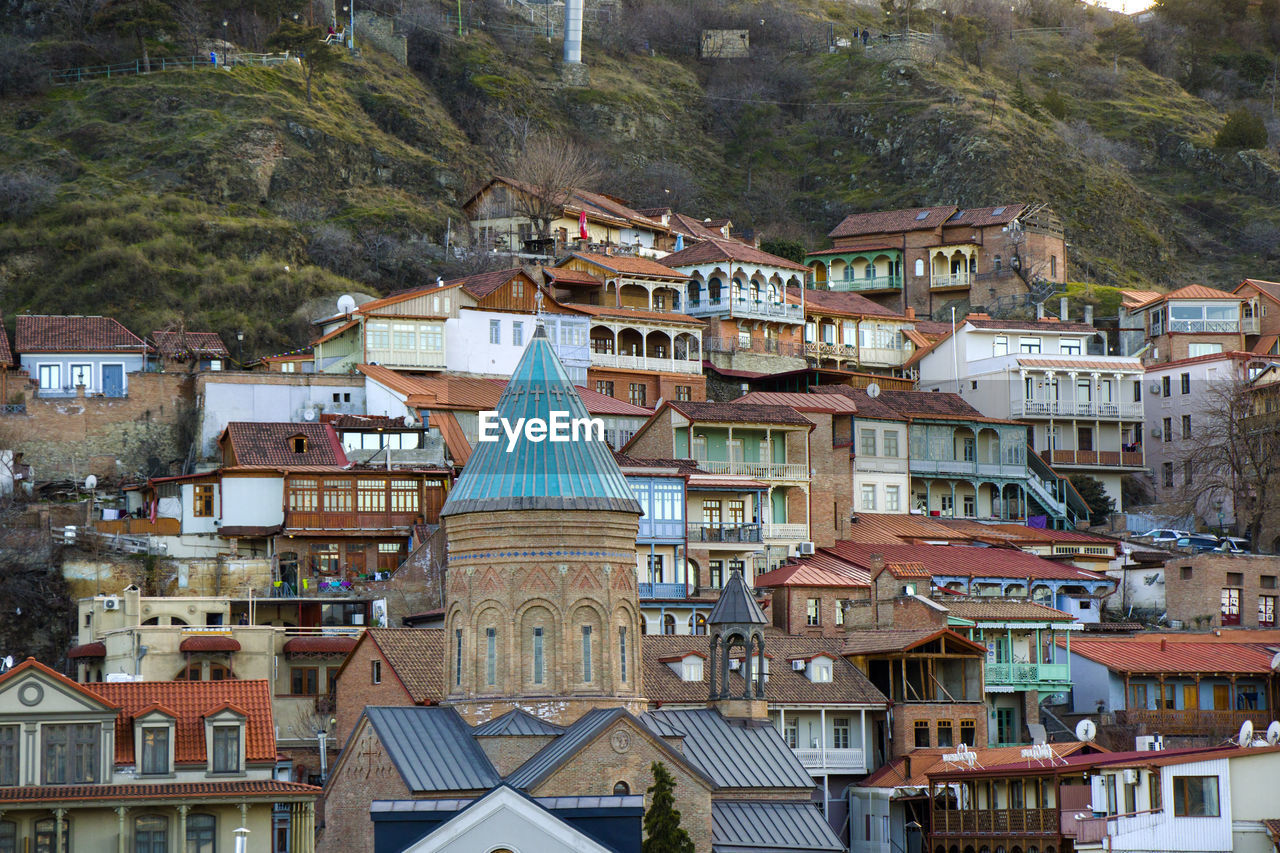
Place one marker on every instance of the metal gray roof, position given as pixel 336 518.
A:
pixel 433 749
pixel 736 604
pixel 517 721
pixel 738 827
pixel 579 474
pixel 735 755
pixel 551 756
pixel 454 805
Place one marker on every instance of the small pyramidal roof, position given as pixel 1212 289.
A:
pixel 578 474
pixel 736 605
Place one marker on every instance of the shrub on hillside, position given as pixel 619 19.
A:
pixel 1055 104
pixel 1243 129
pixel 23 193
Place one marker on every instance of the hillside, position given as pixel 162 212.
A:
pixel 223 199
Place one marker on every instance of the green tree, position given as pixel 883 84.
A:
pixel 1055 104
pixel 792 250
pixel 662 829
pixel 1120 39
pixel 308 44
pixel 1243 129
pixel 969 35
pixel 141 19
pixel 1095 495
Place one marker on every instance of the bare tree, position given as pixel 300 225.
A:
pixel 548 168
pixel 1238 457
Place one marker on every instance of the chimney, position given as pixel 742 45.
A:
pixel 1164 644
pixel 1088 315
pixel 910 313
pixel 1062 308
pixel 573 32
pixel 1039 310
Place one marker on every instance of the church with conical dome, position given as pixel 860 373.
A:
pixel 541 604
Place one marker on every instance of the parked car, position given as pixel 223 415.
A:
pixel 1163 535
pixel 1232 545
pixel 1198 542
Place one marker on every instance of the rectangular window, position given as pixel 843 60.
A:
pixel 375 672
pixel 1166 472
pixel 869 497
pixel 495 332
pixel 371 496
pixel 457 657
pixel 791 733
pixel 892 499
pixel 539 661
pixel 304 681
pixel 491 656
pixel 744 340
pixel 1186 426
pixel 377 336
pixel 304 495
pixel 868 442
pixel 404 496
pixel 891 443
pixel 325 557
pixel 8 755
pixel 1155 796
pixel 603 387
pixel 812 612
pixel 970 505
pixel 968 732
pixel 335 495
pixel 839 615
pixel 1230 607
pixel 403 336
pixel 1186 383
pixel 715 574
pixel 155 750
pixel 70 753
pixel 1187 573
pixel 637 394
pixel 1266 611
pixel 1235 578
pixel 1029 345
pixel 1071 347
pixel 840 733
pixel 517 334
pixel 622 650
pixel 945 737
pixel 517 286
pixel 1166 384
pixel 684 393
pixel 1195 796
pixel 226 749
pixel 50 377
pixel 586 653
pixel 202 501
pixel 1000 346
pixel 922 733
pixel 1267 581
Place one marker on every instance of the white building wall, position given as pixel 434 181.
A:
pixel 468 348
pixel 1163 831
pixel 252 501
pixel 225 402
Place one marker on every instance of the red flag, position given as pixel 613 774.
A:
pixel 582 225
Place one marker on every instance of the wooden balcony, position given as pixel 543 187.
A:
pixel 724 534
pixel 995 822
pixel 1196 722
pixel 790 471
pixel 296 521
pixel 1100 458
pixel 140 526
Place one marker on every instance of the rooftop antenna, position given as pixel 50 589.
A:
pixel 1245 736
pixel 346 303
pixel 537 305
pixel 1086 731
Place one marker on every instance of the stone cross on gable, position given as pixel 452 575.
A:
pixel 557 393
pixel 536 393
pixel 369 753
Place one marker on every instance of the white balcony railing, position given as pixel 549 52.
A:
pixel 1249 326
pixel 849 760
pixel 879 282
pixel 786 532
pixel 643 362
pixel 962 279
pixel 761 308
pixel 1223 327
pixel 757 470
pixel 406 357
pixel 1076 409
pixel 884 355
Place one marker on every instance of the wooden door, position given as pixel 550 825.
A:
pixel 1221 697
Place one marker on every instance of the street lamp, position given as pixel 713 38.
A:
pixel 242 839
pixel 224 43
pixel 351 27
pixel 240 348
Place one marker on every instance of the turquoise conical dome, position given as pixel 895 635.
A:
pixel 568 475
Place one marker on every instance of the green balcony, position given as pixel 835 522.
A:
pixel 1041 676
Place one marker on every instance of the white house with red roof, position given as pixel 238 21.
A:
pixel 64 353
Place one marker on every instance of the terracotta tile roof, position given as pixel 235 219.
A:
pixel 209 644
pixel 981 217
pixel 1049 325
pixel 571 276
pixel 600 204
pixel 1144 656
pixel 191 701
pixel 319 645
pixel 867 406
pixel 883 640
pixel 46 333
pixel 933 404
pixel 248 788
pixel 362 421
pixel 6 355
pixel 857 246
pixel 1135 298
pixel 719 249
pixel 185 345
pixel 892 221
pixel 87 650
pixel 443 391
pixel 965 561
pixel 1191 291
pixel 1005 610
pixel 1270 288
pixel 908 570
pixel 929 759
pixel 416 657
pixel 811 572
pixel 629 264
pixel 739 413
pixel 872 528
pixel 637 314
pixel 1081 362
pixel 800 401
pixel 932 328
pixel 845 304
pixel 482 284
pixel 268 444
pixel 848 686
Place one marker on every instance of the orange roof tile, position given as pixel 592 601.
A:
pixel 55 333
pixel 1145 656
pixel 1191 291
pixel 872 528
pixel 1136 298
pixel 271 790
pixel 908 570
pixel 892 221
pixel 191 701
pixel 633 264
pixel 717 249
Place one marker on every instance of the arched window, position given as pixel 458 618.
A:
pixel 755 291
pixel 151 834
pixel 698 624
pixel 47 836
pixel 714 286
pixel 202 833
pixel 919 266
pixel 621 789
pixel 668 624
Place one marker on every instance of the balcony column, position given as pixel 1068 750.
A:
pixel 822 744
pixel 182 823
pixel 122 841
pixel 862 722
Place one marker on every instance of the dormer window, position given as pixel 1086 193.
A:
pixel 818 669
pixel 155 750
pixel 688 667
pixel 226 749
pixel 298 444
pixel 224 739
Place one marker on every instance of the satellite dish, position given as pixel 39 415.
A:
pixel 309 415
pixel 346 303
pixel 90 482
pixel 1086 731
pixel 1246 734
pixel 873 390
pixel 410 421
pixel 1273 733
pixel 1275 661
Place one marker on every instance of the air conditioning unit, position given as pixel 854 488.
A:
pixel 1154 388
pixel 111 602
pixel 1156 432
pixel 1146 743
pixel 734 664
pixel 798 665
pixel 805 548
pixel 1130 776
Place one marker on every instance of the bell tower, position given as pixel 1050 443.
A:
pixel 738 622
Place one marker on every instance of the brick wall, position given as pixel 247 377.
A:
pixel 657 386
pixel 88 575
pixel 355 688
pixel 791 610
pixel 905 715
pixel 1193 587
pixel 365 774
pixel 1175 347
pixel 374 29
pixel 107 436
pixel 510 751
